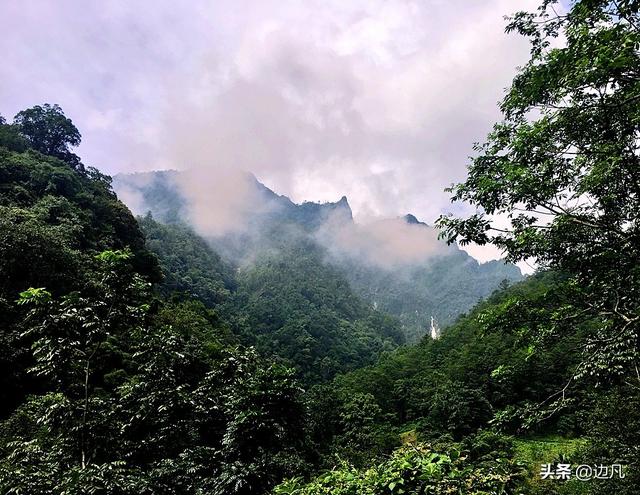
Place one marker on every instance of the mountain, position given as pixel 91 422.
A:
pixel 308 215
pixel 161 193
pixel 270 279
pixel 107 386
pixel 287 303
pixel 396 265
pixel 444 287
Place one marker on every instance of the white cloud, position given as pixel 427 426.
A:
pixel 379 100
pixel 384 242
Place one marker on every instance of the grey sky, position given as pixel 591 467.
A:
pixel 377 100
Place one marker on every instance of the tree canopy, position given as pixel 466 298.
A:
pixel 50 131
pixel 563 168
pixel 274 377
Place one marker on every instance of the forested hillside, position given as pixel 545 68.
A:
pixel 188 264
pixel 442 284
pixel 106 387
pixel 287 302
pixel 480 409
pixel 55 217
pixel 141 355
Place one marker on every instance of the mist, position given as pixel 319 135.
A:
pixel 379 101
pixel 376 100
pixel 387 243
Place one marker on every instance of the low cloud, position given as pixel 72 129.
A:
pixel 218 203
pixel 386 243
pixel 378 100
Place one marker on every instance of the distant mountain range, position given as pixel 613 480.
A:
pixel 162 193
pixel 396 265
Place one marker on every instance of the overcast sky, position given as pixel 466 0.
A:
pixel 380 101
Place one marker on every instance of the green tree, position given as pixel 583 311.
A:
pixel 563 167
pixel 10 137
pixel 141 403
pixel 49 131
pixel 460 410
pixel 73 336
pixel 363 432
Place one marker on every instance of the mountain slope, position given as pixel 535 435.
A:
pixel 443 287
pixel 303 310
pixel 54 220
pixel 188 263
pixel 287 302
pixel 443 283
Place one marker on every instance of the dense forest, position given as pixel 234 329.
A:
pixel 140 357
pixel 287 303
pixel 441 285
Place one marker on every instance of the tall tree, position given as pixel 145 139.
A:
pixel 50 131
pixel 563 167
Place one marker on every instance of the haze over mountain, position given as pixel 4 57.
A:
pixel 231 339
pixel 368 99
pixel 397 265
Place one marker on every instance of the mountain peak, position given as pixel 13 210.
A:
pixel 409 218
pixel 412 220
pixel 343 204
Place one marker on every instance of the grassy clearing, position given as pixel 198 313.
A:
pixel 535 451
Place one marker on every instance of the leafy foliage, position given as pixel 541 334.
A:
pixel 49 131
pixel 413 470
pixel 137 406
pixel 53 221
pixel 563 166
